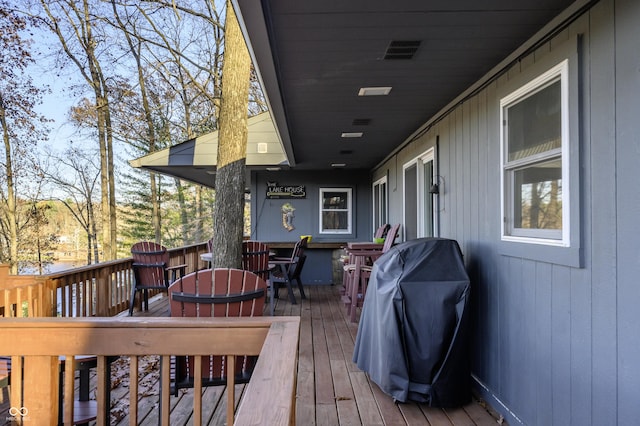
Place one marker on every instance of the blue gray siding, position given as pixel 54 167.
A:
pixel 266 216
pixel 556 337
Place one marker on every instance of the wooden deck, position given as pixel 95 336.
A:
pixel 331 389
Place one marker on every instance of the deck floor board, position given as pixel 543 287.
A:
pixel 331 389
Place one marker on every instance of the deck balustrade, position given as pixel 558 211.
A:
pixel 35 345
pixel 100 290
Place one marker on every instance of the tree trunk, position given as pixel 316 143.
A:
pixel 199 231
pixel 11 194
pixel 184 217
pixel 104 181
pixel 148 115
pixel 228 216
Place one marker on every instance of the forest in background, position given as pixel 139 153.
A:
pixel 143 76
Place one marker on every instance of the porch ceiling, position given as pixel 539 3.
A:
pixel 314 56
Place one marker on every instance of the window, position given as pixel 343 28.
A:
pixel 535 178
pixel 335 210
pixel 380 203
pixel 418 174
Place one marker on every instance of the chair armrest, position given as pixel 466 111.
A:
pixel 281 262
pixel 149 265
pixel 176 267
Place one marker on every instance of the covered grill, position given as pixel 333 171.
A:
pixel 413 337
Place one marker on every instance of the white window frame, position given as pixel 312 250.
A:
pixel 421 190
pixel 381 210
pixel 349 210
pixel 560 72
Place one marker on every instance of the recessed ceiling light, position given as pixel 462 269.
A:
pixel 210 172
pixel 351 134
pixel 374 91
pixel 338 164
pixel 273 169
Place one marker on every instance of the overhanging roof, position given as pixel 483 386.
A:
pixel 313 57
pixel 195 160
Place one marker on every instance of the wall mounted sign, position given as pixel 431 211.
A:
pixel 285 191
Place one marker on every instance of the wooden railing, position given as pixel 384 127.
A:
pixel 99 290
pixel 35 345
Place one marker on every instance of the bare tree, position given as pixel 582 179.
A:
pixel 73 22
pixel 75 173
pixel 179 65
pixel 21 128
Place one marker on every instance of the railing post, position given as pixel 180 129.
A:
pixel 40 403
pixel 4 274
pixel 47 299
pixel 103 292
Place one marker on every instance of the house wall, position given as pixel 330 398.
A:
pixel 556 337
pixel 266 214
pixel 322 265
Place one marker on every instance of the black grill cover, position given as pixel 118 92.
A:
pixel 413 334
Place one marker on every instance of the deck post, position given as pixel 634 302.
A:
pixel 40 404
pixel 103 293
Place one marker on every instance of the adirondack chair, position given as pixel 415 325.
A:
pixel 231 293
pixel 283 271
pixel 151 271
pixel 255 258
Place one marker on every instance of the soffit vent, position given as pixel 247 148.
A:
pixel 361 122
pixel 402 49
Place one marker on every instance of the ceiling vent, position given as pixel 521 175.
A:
pixel 402 49
pixel 361 122
pixel 346 152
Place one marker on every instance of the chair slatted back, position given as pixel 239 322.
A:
pixel 296 254
pixel 223 292
pixel 299 258
pixel 150 261
pixel 391 237
pixel 255 258
pixel 382 231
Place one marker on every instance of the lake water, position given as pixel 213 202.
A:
pixel 54 267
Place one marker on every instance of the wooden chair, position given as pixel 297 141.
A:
pixel 382 230
pixel 255 258
pixel 223 292
pixel 151 271
pixel 357 273
pixel 283 271
pixel 390 237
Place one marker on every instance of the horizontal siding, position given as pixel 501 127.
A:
pixel 554 342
